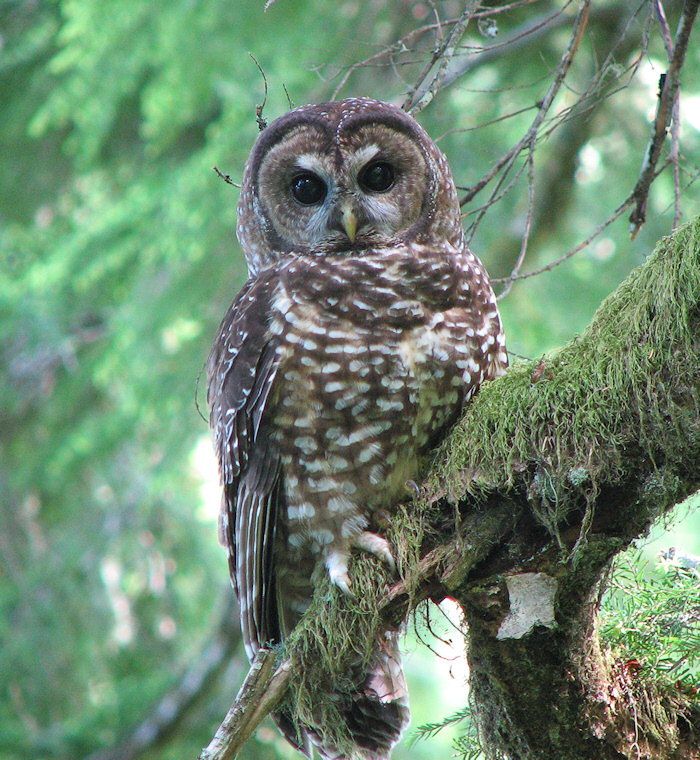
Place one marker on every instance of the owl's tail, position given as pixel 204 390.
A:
pixel 379 713
pixel 374 717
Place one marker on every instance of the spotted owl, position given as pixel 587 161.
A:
pixel 365 326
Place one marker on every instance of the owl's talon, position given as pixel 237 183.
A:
pixel 412 487
pixel 376 545
pixel 337 566
pixel 383 518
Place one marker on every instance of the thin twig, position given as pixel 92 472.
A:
pixel 674 153
pixel 617 213
pixel 408 42
pixel 528 223
pixel 398 47
pixel 259 118
pixel 668 92
pixel 560 73
pixel 419 97
pixel 497 194
pixel 525 34
pixel 225 177
pixel 260 693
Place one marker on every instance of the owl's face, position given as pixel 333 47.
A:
pixel 359 189
pixel 336 177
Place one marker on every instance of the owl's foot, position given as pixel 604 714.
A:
pixel 337 561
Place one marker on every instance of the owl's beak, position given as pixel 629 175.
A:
pixel 349 218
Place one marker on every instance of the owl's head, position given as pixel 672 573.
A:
pixel 344 176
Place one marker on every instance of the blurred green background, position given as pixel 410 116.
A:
pixel 118 258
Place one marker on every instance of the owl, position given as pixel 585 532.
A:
pixel 365 326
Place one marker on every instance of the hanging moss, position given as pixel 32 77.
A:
pixel 330 650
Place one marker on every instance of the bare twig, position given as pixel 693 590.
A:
pixel 410 40
pixel 674 153
pixel 616 214
pixel 498 192
pixel 560 73
pixel 399 46
pixel 528 223
pixel 419 95
pixel 668 93
pixel 225 177
pixel 259 118
pixel 526 34
pixel 260 693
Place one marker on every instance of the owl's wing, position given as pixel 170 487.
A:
pixel 241 372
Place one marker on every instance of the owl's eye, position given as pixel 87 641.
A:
pixel 308 188
pixel 377 177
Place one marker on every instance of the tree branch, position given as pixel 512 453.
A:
pixel 261 692
pixel 559 75
pixel 669 92
pixel 420 95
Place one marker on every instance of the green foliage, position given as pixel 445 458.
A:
pixel 466 745
pixel 651 614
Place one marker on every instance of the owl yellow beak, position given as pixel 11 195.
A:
pixel 349 218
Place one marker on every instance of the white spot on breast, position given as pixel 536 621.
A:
pixel 473 365
pixel 322 536
pixel 360 406
pixel 376 474
pixel 301 511
pixel 368 453
pixel 393 405
pixel 337 462
pixel 339 504
pixel 392 383
pixel 306 444
pixel 490 340
pixel 296 539
pixel 353 526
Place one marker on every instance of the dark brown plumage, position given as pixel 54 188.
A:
pixel 365 327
